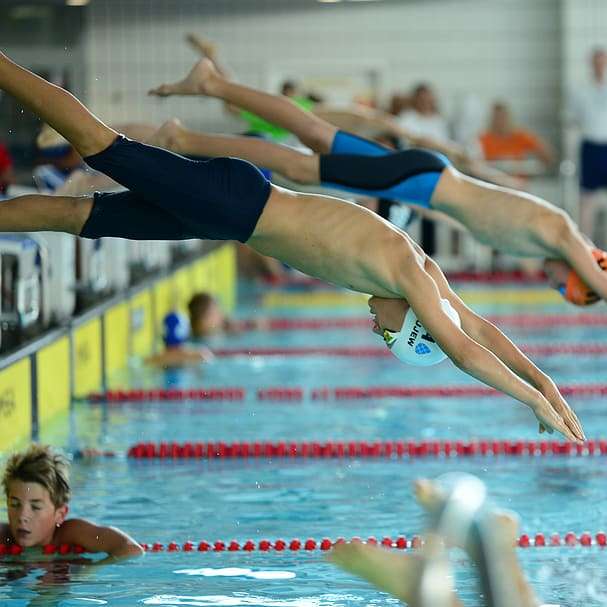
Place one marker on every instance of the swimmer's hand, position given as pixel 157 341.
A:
pixel 553 413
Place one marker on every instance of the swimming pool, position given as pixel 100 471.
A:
pixel 162 501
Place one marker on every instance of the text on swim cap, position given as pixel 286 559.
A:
pixel 415 332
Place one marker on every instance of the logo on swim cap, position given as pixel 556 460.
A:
pixel 422 349
pixel 413 344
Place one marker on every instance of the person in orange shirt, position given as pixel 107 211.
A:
pixel 505 141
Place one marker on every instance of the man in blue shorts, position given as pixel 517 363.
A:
pixel 510 221
pixel 171 197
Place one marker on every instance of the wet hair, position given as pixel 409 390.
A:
pixel 40 464
pixel 199 304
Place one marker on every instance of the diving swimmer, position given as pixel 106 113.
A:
pixel 510 221
pixel 170 197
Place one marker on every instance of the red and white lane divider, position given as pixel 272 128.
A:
pixel 359 449
pixel 538 540
pixel 529 321
pixel 501 277
pixel 578 349
pixel 297 394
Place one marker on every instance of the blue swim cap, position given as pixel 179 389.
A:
pixel 175 329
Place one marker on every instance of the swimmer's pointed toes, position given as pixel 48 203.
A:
pixel 428 494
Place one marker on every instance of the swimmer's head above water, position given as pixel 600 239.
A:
pixel 36 485
pixel 568 283
pixel 206 316
pixel 411 343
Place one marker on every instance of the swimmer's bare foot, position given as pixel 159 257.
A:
pixel 489 538
pixel 169 136
pixel 203 79
pixel 202 46
pixel 429 495
pixel 420 579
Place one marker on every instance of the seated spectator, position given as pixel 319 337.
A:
pixel 421 116
pixel 505 141
pixel 424 121
pixel 7 175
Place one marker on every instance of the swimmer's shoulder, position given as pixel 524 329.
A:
pixel 76 531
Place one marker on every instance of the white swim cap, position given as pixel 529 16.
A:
pixel 413 344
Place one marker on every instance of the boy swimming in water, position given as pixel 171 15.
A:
pixel 513 222
pixel 169 197
pixel 37 489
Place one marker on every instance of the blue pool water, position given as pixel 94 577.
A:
pixel 256 499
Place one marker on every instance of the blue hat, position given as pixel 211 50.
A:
pixel 175 329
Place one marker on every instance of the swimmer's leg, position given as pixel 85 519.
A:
pixel 40 213
pixel 57 107
pixel 115 214
pixel 419 579
pixel 204 79
pixel 488 535
pixel 296 166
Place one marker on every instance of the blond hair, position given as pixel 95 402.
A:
pixel 40 464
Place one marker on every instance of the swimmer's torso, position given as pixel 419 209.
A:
pixel 333 240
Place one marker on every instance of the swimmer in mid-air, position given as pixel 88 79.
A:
pixel 510 221
pixel 460 517
pixel 169 197
pixel 36 485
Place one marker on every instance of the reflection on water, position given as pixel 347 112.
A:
pixel 237 572
pixel 237 601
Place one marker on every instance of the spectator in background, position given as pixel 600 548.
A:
pixel 7 175
pixel 588 107
pixel 505 141
pixel 421 116
pixel 422 119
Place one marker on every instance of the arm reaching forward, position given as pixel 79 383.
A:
pixel 484 352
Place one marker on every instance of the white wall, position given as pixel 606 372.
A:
pixel 584 26
pixel 494 48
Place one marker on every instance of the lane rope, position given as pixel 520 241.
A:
pixel 363 449
pixel 537 540
pixel 500 277
pixel 359 322
pixel 539 349
pixel 299 394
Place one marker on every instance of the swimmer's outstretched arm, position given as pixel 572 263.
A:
pixel 576 249
pixel 489 336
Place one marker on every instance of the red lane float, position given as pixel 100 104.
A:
pixel 517 320
pixel 298 394
pixel 537 540
pixel 363 449
pixel 500 277
pixel 587 348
